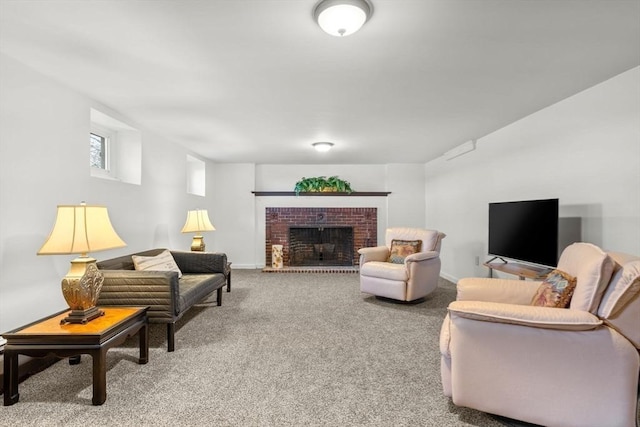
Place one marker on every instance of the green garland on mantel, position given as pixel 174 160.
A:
pixel 322 184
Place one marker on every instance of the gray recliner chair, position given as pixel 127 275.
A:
pixel 408 278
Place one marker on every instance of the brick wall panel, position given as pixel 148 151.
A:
pixel 278 221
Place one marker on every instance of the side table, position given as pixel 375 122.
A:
pixel 48 336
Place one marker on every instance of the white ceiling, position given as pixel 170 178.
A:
pixel 258 81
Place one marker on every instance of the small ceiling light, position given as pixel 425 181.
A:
pixel 322 146
pixel 342 17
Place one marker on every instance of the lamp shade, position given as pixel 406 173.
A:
pixel 197 221
pixel 80 229
pixel 342 17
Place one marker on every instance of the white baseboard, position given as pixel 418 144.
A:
pixel 235 266
pixel 449 277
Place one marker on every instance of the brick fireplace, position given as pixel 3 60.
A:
pixel 338 234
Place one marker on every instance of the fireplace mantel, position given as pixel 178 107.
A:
pixel 322 193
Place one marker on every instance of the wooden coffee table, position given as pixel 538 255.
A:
pixel 48 336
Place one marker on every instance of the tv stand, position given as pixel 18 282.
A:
pixel 523 271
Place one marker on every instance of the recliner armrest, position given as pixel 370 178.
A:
pixel 497 290
pixel 525 315
pixel 421 256
pixel 377 253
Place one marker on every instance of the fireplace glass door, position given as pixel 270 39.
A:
pixel 321 246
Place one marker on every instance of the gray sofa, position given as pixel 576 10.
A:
pixel 167 297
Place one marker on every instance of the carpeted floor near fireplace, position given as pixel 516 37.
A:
pixel 282 350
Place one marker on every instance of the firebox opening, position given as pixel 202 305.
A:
pixel 313 246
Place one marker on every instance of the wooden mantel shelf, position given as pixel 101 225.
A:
pixel 321 193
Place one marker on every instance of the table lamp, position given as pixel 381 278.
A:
pixel 80 229
pixel 197 222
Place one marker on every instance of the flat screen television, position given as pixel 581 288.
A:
pixel 525 231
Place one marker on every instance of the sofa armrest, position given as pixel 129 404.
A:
pixel 200 262
pixel 377 253
pixel 157 289
pixel 525 315
pixel 497 290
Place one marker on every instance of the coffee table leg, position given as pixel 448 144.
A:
pixel 99 376
pixel 144 344
pixel 10 380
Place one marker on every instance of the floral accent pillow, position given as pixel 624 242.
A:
pixel 556 290
pixel 400 249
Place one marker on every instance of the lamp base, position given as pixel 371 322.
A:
pixel 81 288
pixel 82 316
pixel 197 245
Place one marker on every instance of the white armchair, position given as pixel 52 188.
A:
pixel 410 280
pixel 558 367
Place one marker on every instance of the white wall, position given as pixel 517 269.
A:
pixel 233 213
pixel 407 198
pixel 44 151
pixel 284 177
pixel 584 150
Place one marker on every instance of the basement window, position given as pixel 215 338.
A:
pixel 99 152
pixel 195 176
pixel 115 149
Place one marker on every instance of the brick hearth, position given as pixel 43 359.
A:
pixel 278 221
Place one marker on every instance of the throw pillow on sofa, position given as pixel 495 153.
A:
pixel 161 262
pixel 555 291
pixel 400 249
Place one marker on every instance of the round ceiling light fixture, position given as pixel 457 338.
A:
pixel 322 146
pixel 342 17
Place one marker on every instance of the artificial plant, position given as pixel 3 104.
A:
pixel 322 183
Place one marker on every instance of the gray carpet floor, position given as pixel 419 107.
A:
pixel 282 350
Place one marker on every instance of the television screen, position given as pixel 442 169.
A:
pixel 525 231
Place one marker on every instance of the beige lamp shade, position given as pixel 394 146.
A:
pixel 80 229
pixel 197 221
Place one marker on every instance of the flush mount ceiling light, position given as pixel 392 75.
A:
pixel 322 146
pixel 342 17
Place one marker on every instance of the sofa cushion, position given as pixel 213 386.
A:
pixel 400 249
pixel 161 262
pixel 592 268
pixel 195 287
pixel 624 285
pixel 555 291
pixel 385 270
